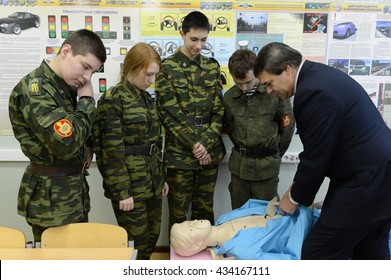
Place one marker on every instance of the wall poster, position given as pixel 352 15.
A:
pixel 352 36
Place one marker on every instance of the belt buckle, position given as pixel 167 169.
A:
pixel 243 152
pixel 151 148
pixel 196 122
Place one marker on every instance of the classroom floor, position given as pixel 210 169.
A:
pixel 160 256
pixel 160 253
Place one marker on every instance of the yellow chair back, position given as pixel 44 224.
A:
pixel 12 238
pixel 85 235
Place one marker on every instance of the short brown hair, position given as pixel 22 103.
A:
pixel 84 41
pixel 240 62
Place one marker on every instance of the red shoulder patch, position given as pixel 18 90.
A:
pixel 286 121
pixel 63 128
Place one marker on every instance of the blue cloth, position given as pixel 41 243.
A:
pixel 280 239
pixel 389 242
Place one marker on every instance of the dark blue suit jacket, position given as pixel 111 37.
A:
pixel 346 139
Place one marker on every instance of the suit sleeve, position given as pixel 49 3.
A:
pixel 319 120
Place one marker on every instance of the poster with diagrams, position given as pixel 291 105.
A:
pixel 354 37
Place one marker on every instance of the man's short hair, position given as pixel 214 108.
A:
pixel 275 57
pixel 84 41
pixel 195 20
pixel 240 62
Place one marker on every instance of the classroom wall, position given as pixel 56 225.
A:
pixel 13 164
pixel 287 21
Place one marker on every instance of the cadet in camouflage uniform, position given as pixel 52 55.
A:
pixel 261 128
pixel 188 92
pixel 128 142
pixel 51 112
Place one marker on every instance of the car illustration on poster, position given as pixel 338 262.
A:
pixel 340 64
pixel 344 29
pixel 359 67
pixel 18 21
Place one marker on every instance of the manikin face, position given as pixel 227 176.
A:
pixel 144 79
pixel 188 238
pixel 281 85
pixel 198 224
pixel 247 83
pixel 77 70
pixel 193 42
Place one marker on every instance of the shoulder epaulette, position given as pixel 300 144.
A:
pixel 35 85
pixel 108 95
pixel 214 59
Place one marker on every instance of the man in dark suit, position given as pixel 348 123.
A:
pixel 344 138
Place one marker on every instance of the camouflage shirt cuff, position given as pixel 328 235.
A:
pixel 124 194
pixel 86 106
pixel 206 143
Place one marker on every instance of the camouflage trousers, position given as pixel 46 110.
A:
pixel 242 190
pixel 142 224
pixel 191 187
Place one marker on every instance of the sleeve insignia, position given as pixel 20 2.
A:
pixel 286 121
pixel 35 86
pixel 63 128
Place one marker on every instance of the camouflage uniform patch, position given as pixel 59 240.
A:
pixel 35 86
pixel 63 128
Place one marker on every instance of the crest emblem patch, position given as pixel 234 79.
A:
pixel 63 128
pixel 35 86
pixel 286 121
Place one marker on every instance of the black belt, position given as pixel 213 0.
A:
pixel 255 153
pixel 199 120
pixel 55 170
pixel 140 150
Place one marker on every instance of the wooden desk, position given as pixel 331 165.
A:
pixel 67 254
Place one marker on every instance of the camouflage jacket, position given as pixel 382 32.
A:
pixel 260 121
pixel 127 116
pixel 185 89
pixel 52 128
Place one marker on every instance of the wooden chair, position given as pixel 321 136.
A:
pixel 12 238
pixel 85 235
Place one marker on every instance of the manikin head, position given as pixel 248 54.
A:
pixel 190 237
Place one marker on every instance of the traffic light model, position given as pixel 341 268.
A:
pixel 88 23
pixel 102 85
pixel 52 26
pixel 105 27
pixel 52 50
pixel 126 31
pixel 64 27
